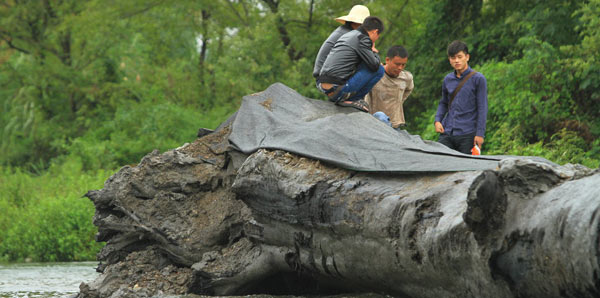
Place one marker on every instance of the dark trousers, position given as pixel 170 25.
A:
pixel 462 144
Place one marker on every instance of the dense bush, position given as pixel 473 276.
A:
pixel 532 111
pixel 44 217
pixel 137 129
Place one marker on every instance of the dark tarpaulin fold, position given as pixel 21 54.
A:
pixel 281 118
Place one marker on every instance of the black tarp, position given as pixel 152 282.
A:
pixel 281 118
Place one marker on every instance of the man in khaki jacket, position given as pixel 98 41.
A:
pixel 395 86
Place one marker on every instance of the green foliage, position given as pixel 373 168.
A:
pixel 532 110
pixel 582 61
pixel 45 218
pixel 137 129
pixel 504 22
pixel 534 88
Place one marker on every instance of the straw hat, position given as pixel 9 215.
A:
pixel 357 14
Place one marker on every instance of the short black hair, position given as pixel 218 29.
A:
pixel 397 51
pixel 457 46
pixel 371 23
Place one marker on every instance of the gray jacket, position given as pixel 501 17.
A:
pixel 327 45
pixel 352 49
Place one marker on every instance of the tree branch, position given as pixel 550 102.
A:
pixel 310 14
pixel 245 22
pixel 243 3
pixel 273 5
pixel 399 12
pixel 283 33
pixel 49 9
pixel 302 23
pixel 205 39
pixel 8 39
pixel 65 44
pixel 142 10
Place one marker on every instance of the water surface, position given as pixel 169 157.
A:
pixel 44 280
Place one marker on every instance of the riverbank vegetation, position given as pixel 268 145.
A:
pixel 90 86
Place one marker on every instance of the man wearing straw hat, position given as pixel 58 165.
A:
pixel 351 21
pixel 352 67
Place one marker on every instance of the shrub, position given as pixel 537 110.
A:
pixel 44 217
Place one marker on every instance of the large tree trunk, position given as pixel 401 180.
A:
pixel 206 219
pixel 526 230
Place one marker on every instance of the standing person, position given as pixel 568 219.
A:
pixel 461 116
pixel 352 21
pixel 353 67
pixel 390 93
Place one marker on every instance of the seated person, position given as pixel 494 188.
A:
pixel 353 67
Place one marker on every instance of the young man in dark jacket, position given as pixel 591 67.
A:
pixel 461 121
pixel 353 20
pixel 353 67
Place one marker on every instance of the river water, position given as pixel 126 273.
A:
pixel 44 280
pixel 62 280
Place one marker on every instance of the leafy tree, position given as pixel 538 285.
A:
pixel 503 23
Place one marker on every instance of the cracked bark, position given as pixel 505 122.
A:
pixel 277 223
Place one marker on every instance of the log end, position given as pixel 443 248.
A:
pixel 486 207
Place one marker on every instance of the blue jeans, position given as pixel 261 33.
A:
pixel 359 84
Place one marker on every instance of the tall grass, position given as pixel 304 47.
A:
pixel 45 217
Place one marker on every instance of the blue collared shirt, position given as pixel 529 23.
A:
pixel 468 112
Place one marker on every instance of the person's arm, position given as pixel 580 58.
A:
pixel 365 52
pixel 409 89
pixel 368 97
pixel 482 108
pixel 441 110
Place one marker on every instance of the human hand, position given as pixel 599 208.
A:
pixel 478 141
pixel 439 128
pixel 374 49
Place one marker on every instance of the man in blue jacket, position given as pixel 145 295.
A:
pixel 461 116
pixel 353 67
